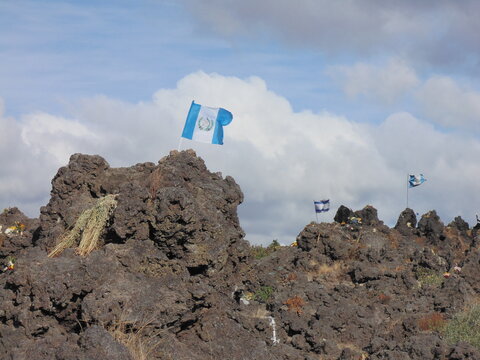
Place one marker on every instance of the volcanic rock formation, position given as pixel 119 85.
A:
pixel 171 276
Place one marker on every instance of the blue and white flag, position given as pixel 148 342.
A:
pixel 415 180
pixel 322 206
pixel 205 124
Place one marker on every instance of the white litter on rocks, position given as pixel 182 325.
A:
pixel 274 331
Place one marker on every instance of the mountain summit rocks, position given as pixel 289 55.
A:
pixel 173 278
pixel 188 212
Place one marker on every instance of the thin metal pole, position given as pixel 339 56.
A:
pixel 407 189
pixel 180 143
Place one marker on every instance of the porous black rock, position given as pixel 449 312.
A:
pixel 173 277
pixel 407 221
pixel 343 214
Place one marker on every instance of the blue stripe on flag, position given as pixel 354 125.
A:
pixel 224 118
pixel 416 180
pixel 322 206
pixel 191 121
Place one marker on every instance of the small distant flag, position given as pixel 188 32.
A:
pixel 415 180
pixel 205 124
pixel 322 206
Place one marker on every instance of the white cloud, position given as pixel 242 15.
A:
pixel 447 103
pixel 387 83
pixel 282 159
pixel 58 137
pixel 24 174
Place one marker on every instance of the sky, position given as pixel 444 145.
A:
pixel 336 100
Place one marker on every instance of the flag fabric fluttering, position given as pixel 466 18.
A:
pixel 322 206
pixel 205 124
pixel 416 180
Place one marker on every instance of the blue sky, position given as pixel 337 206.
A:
pixel 330 99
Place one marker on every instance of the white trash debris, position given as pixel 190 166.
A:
pixel 274 331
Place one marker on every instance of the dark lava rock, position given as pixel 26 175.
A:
pixel 407 221
pixel 431 226
pixel 368 215
pixel 343 214
pixel 460 224
pixel 187 211
pixel 173 278
pixel 22 236
pixel 98 343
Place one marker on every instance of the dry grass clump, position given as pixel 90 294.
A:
pixel 88 228
pixel 139 337
pixel 326 271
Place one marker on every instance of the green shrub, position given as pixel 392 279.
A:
pixel 428 277
pixel 464 326
pixel 264 293
pixel 274 246
pixel 258 251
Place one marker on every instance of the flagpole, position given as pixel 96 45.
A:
pixel 316 214
pixel 408 177
pixel 180 143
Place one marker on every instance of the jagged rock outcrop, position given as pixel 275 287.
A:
pixel 13 217
pixel 343 214
pixel 407 222
pixel 187 211
pixel 173 278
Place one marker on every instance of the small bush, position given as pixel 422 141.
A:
pixel 432 322
pixel 260 252
pixel 296 304
pixel 263 294
pixel 428 277
pixel 464 326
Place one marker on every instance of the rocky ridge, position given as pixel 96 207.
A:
pixel 173 277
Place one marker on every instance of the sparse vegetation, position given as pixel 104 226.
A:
pixel 296 304
pixel 88 228
pixel 464 326
pixel 136 336
pixel 432 322
pixel 263 294
pixel 324 271
pixel 259 252
pixel 428 277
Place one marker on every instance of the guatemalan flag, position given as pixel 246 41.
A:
pixel 415 180
pixel 322 206
pixel 205 124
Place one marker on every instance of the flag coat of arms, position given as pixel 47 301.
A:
pixel 416 180
pixel 205 124
pixel 322 206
